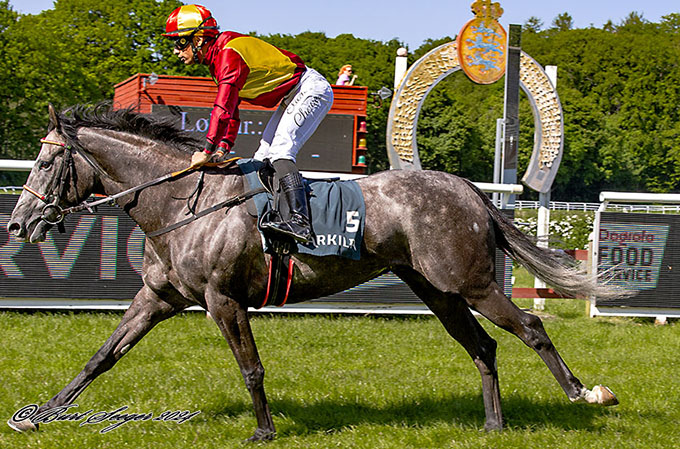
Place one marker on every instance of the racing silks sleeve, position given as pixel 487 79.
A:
pixel 230 72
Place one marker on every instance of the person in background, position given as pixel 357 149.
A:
pixel 344 76
pixel 245 67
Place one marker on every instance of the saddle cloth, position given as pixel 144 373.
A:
pixel 337 212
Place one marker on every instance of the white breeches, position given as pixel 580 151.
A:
pixel 296 118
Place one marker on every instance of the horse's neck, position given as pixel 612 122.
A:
pixel 129 161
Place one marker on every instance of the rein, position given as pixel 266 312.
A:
pixel 233 201
pixel 53 214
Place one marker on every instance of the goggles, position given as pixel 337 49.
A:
pixel 182 42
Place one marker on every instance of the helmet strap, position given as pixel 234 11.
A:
pixel 198 49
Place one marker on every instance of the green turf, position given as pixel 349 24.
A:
pixel 350 382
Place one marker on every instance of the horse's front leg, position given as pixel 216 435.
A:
pixel 232 319
pixel 146 310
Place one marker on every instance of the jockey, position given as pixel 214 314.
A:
pixel 245 67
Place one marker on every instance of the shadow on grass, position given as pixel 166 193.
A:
pixel 465 410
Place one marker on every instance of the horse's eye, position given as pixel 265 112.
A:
pixel 45 165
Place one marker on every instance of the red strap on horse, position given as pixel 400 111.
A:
pixel 269 284
pixel 289 281
pixel 274 277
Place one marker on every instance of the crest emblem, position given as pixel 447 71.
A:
pixel 482 44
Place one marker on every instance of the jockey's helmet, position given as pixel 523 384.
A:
pixel 190 20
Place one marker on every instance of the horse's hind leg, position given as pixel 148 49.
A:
pixel 459 322
pixel 232 319
pixel 144 313
pixel 494 305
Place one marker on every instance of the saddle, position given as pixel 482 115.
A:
pixel 337 214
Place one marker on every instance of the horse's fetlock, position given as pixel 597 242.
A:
pixel 486 368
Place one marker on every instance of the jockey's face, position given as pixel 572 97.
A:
pixel 186 54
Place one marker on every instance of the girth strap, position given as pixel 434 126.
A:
pixel 280 275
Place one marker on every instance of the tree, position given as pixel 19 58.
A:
pixel 671 23
pixel 76 53
pixel 13 124
pixel 532 25
pixel 634 18
pixel 563 22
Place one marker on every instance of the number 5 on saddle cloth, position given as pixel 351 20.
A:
pixel 337 212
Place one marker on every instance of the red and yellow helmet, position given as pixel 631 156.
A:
pixel 191 20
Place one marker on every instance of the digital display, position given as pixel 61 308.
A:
pixel 98 257
pixel 329 149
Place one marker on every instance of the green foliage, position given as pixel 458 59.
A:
pixel 619 87
pixel 532 25
pixel 568 229
pixel 563 22
pixel 74 53
pixel 620 91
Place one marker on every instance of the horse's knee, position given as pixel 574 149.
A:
pixel 254 378
pixel 534 332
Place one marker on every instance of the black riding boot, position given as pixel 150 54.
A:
pixel 297 225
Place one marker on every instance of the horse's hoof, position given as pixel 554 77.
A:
pixel 605 395
pixel 262 435
pixel 23 426
pixel 600 395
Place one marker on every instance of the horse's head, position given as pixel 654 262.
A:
pixel 61 177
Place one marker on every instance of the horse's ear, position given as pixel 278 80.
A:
pixel 54 118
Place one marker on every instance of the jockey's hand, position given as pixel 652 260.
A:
pixel 199 158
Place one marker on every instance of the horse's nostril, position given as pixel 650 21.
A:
pixel 14 228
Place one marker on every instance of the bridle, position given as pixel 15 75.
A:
pixel 52 213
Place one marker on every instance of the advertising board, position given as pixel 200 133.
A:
pixel 642 253
pixel 97 263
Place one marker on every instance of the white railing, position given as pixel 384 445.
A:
pixel 15 165
pixel 505 189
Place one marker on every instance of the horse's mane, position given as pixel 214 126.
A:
pixel 104 116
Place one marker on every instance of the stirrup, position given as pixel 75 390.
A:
pixel 303 233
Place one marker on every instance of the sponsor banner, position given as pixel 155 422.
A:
pixel 100 256
pixel 641 252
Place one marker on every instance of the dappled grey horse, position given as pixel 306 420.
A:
pixel 436 231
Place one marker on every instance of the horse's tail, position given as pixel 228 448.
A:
pixel 556 268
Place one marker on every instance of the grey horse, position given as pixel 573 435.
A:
pixel 436 231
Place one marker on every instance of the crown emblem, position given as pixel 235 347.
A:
pixel 484 9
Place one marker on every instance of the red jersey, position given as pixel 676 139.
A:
pixel 245 67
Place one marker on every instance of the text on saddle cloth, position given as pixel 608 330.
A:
pixel 337 212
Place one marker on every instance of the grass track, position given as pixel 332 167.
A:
pixel 351 382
